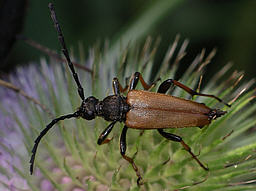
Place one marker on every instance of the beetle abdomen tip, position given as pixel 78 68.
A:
pixel 215 113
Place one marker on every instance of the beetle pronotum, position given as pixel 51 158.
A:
pixel 140 109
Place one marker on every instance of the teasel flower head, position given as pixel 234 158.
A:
pixel 68 157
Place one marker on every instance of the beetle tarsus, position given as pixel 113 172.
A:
pixel 123 150
pixel 187 148
pixel 139 181
pixel 177 138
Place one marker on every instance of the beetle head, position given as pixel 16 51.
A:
pixel 87 110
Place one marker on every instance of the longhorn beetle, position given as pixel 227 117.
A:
pixel 139 110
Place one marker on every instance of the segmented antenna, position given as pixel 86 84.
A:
pixel 43 132
pixel 65 50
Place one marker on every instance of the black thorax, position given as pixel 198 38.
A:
pixel 113 108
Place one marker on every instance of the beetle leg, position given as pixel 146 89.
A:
pixel 164 86
pixel 136 78
pixel 177 138
pixel 102 138
pixel 117 87
pixel 167 84
pixel 130 160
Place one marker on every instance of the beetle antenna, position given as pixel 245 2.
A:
pixel 65 50
pixel 43 132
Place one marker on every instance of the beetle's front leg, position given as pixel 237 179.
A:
pixel 130 160
pixel 117 87
pixel 138 77
pixel 176 138
pixel 103 136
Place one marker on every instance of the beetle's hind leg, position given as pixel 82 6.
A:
pixel 177 138
pixel 167 84
pixel 130 160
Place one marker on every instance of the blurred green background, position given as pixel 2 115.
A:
pixel 229 25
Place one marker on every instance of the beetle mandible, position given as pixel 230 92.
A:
pixel 139 110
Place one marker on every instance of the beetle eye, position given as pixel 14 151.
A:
pixel 88 108
pixel 89 115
